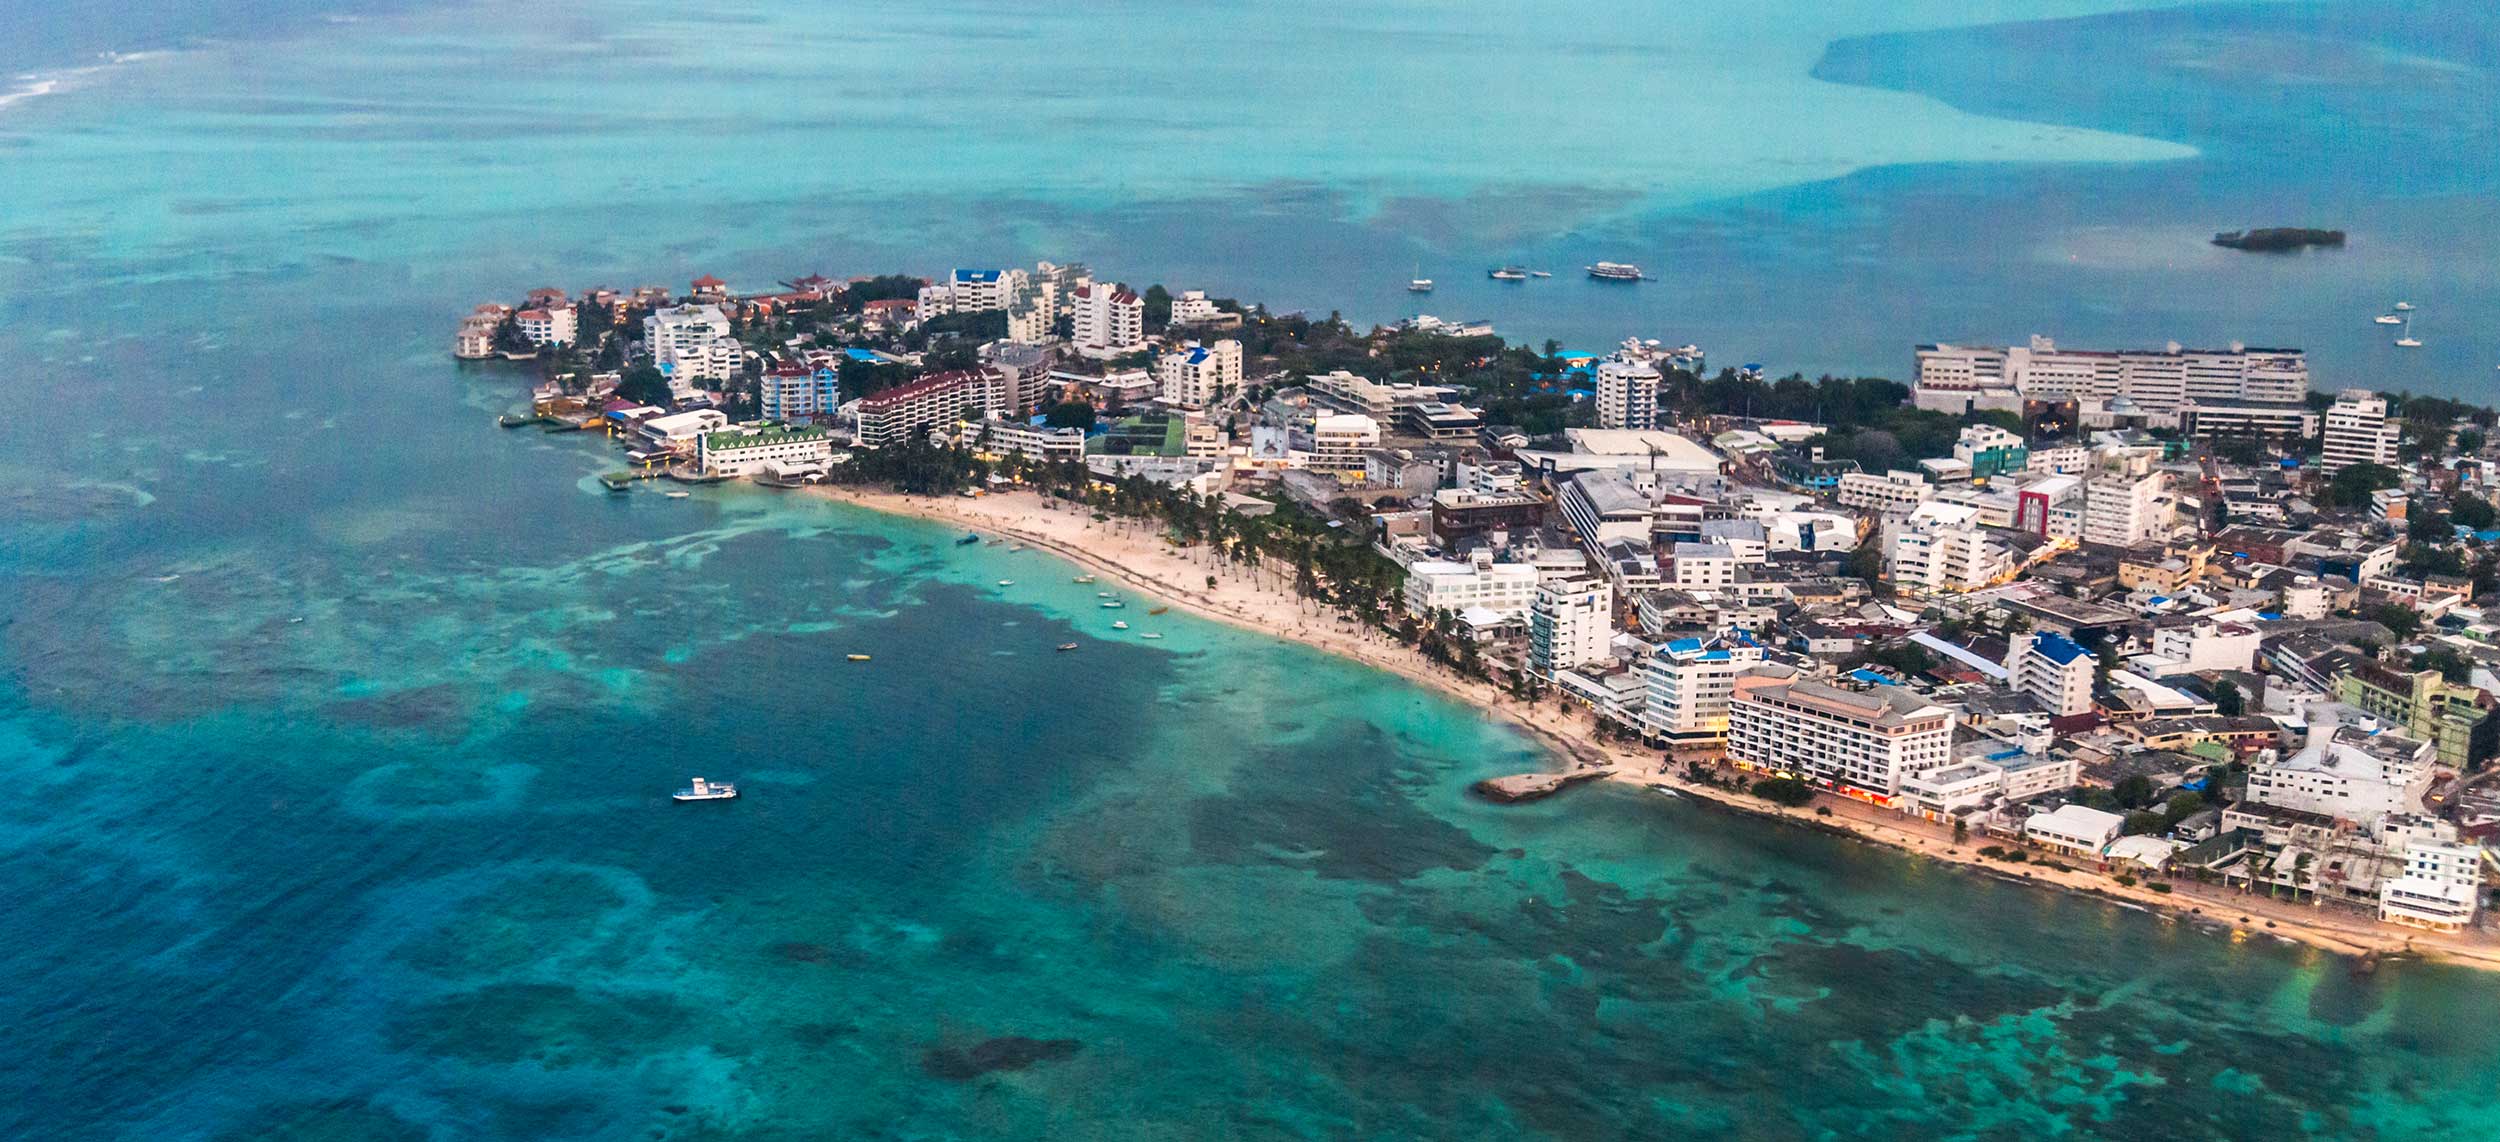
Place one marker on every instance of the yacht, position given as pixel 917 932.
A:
pixel 1150 634
pixel 1066 646
pixel 1616 272
pixel 1419 283
pixel 1082 579
pixel 1112 604
pixel 2404 307
pixel 859 658
pixel 703 790
pixel 1540 273
pixel 1119 624
pixel 1508 274
pixel 2388 319
pixel 1006 582
pixel 2408 342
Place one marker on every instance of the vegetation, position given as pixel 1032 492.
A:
pixel 2228 701
pixel 643 384
pixel 2351 487
pixel 2399 620
pixel 1784 791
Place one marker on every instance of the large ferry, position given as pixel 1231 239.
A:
pixel 703 790
pixel 1615 272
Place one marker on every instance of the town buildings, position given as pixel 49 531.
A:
pixel 2158 386
pixel 1503 589
pixel 1107 320
pixel 798 392
pixel 746 451
pixel 1339 443
pixel 1690 683
pixel 2457 720
pixel 935 401
pixel 2053 670
pixel 1627 393
pixel 1940 547
pixel 692 347
pixel 1570 624
pixel 1195 375
pixel 558 324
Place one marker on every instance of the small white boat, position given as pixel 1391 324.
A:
pixel 703 790
pixel 2408 342
pixel 1419 285
pixel 1508 274
pixel 1083 579
pixel 1006 582
pixel 1119 624
pixel 2404 307
pixel 1113 605
pixel 1067 646
pixel 2388 319
pixel 1102 594
pixel 1540 273
pixel 677 495
pixel 1150 634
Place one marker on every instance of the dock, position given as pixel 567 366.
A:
pixel 1524 787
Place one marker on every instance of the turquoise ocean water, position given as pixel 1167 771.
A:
pixel 340 724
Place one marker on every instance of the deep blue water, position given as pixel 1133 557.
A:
pixel 341 723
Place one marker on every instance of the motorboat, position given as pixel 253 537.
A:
pixel 703 790
pixel 1616 272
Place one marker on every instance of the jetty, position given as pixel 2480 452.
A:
pixel 1523 787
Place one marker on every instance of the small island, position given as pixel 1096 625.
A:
pixel 2278 239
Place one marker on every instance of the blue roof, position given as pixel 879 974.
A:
pixel 976 275
pixel 1198 356
pixel 1683 645
pixel 2060 649
pixel 1863 674
pixel 858 354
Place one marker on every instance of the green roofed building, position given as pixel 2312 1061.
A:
pixel 2457 719
pixel 746 449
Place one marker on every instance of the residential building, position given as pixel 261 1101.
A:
pixel 796 392
pixel 2160 385
pixel 1038 442
pixel 744 451
pixel 476 339
pixel 1702 567
pixel 1339 441
pixel 1107 320
pixel 2440 885
pixel 1690 682
pixel 2456 719
pixel 1627 393
pixel 681 431
pixel 1991 451
pixel 2123 509
pixel 691 345
pixel 1940 547
pixel 2054 670
pixel 2206 644
pixel 553 325
pixel 972 291
pixel 1195 375
pixel 1193 308
pixel 1863 743
pixel 1894 490
pixel 938 400
pixel 1570 624
pixel 1507 589
pixel 2358 432
pixel 2349 773
pixel 2078 830
pixel 1459 515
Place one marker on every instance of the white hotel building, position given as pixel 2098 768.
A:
pixel 1506 588
pixel 1627 393
pixel 744 451
pixel 691 345
pixel 1571 623
pixel 2265 385
pixel 1861 743
pixel 1195 375
pixel 2358 432
pixel 1690 683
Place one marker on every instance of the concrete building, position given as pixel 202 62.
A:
pixel 1895 490
pixel 2440 885
pixel 2077 830
pixel 745 451
pixel 972 291
pixel 1507 589
pixel 2456 719
pixel 691 346
pixel 1627 394
pixel 1690 682
pixel 2053 670
pixel 1038 442
pixel 2349 773
pixel 939 400
pixel 2209 644
pixel 1570 624
pixel 1107 320
pixel 1701 567
pixel 679 432
pixel 1195 375
pixel 1991 451
pixel 797 392
pixel 2358 432
pixel 1339 442
pixel 1863 743
pixel 2161 385
pixel 1939 547
pixel 553 325
pixel 2122 509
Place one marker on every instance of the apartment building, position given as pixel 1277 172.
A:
pixel 2121 509
pixel 1570 624
pixel 1505 588
pixel 938 400
pixel 2161 384
pixel 2358 432
pixel 1991 451
pixel 1939 547
pixel 1338 444
pixel 552 325
pixel 1895 490
pixel 1690 683
pixel 1195 375
pixel 1627 393
pixel 1107 320
pixel 2054 670
pixel 691 345
pixel 796 392
pixel 2456 719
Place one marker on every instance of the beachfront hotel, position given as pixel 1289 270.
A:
pixel 1862 743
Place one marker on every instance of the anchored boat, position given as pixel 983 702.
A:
pixel 703 790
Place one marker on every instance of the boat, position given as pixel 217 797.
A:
pixel 1616 272
pixel 1508 274
pixel 1419 283
pixel 703 790
pixel 1150 634
pixel 1121 624
pixel 1006 582
pixel 1158 610
pixel 858 658
pixel 1113 605
pixel 1540 273
pixel 2388 319
pixel 1067 646
pixel 2404 307
pixel 968 540
pixel 1082 579
pixel 2408 342
pixel 1102 594
pixel 677 495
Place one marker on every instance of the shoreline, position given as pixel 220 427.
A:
pixel 1135 554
